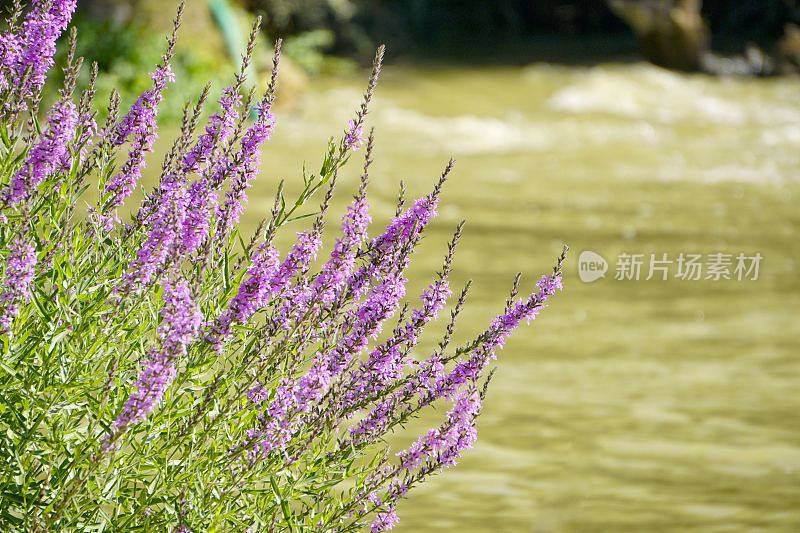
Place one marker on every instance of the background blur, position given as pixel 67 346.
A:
pixel 639 127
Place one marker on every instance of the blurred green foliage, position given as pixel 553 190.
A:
pixel 126 52
pixel 309 51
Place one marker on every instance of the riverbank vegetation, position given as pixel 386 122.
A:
pixel 163 370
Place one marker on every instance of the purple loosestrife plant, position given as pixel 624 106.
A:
pixel 245 168
pixel 385 363
pixel 180 321
pixel 328 285
pixel 203 158
pixel 160 244
pixel 387 248
pixel 49 155
pixel 140 126
pixel 293 399
pixel 27 52
pixel 18 275
pixel 252 294
pixel 220 127
pixel 167 371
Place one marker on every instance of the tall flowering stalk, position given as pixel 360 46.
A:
pixel 163 372
pixel 292 399
pixel 180 322
pixel 160 243
pixel 387 249
pixel 434 381
pixel 438 448
pixel 334 274
pixel 201 158
pixel 246 167
pixel 210 158
pixel 252 294
pixel 494 338
pixel 26 53
pixel 18 275
pixel 140 125
pixel 266 277
pixel 385 363
pixel 220 126
pixel 49 155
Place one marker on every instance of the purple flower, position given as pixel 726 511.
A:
pixel 161 242
pixel 264 278
pixel 220 126
pixel 407 225
pixel 257 393
pixel 434 450
pixel 444 445
pixel 300 396
pixel 10 51
pixel 49 155
pixel 201 201
pixel 27 56
pixel 296 301
pixel 255 291
pixel 376 420
pixel 354 136
pixel 502 326
pixel 252 294
pixel 180 323
pixel 392 247
pixel 548 285
pixel 19 273
pixel 385 363
pixel 432 381
pixel 298 259
pixel 384 521
pixel 433 298
pixel 140 122
pixel 142 112
pixel 246 167
pixel 330 282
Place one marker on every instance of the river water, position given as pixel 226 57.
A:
pixel 649 405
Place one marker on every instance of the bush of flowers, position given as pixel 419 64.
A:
pixel 160 370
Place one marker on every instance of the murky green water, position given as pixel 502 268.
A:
pixel 629 405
